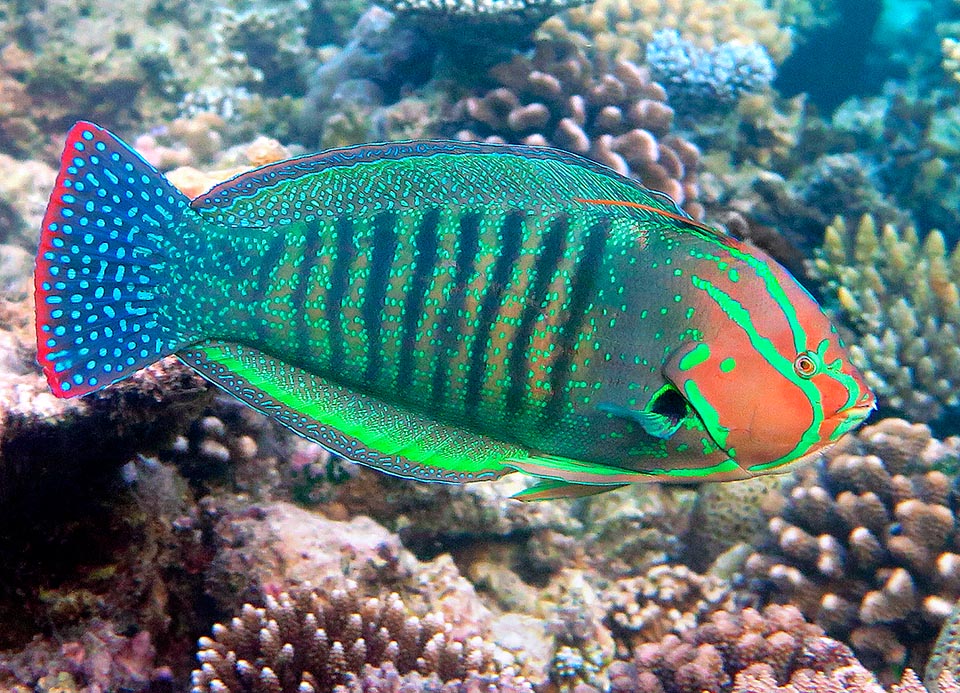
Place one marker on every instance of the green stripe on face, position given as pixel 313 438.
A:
pixel 741 316
pixel 729 465
pixel 694 357
pixel 707 412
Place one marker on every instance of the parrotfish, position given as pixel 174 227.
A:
pixel 447 311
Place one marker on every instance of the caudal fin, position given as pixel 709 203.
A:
pixel 101 299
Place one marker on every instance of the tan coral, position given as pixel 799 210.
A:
pixel 613 114
pixel 869 554
pixel 901 295
pixel 621 27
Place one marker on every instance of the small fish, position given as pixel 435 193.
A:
pixel 447 311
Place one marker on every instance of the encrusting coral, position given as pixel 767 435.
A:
pixel 901 296
pixel 616 116
pixel 315 641
pixel 866 543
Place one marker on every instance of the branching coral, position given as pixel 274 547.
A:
pixel 313 641
pixel 618 116
pixel 902 297
pixel 668 598
pixel 745 651
pixel 866 544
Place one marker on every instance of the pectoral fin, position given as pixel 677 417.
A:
pixel 657 425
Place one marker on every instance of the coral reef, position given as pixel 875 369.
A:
pixel 744 651
pixel 902 298
pixel 866 543
pixel 313 641
pixel 616 116
pixel 698 80
pixel 622 27
pixel 366 90
pixel 472 30
pixel 910 141
pixel 47 443
pixel 24 189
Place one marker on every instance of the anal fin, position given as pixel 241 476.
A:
pixel 554 489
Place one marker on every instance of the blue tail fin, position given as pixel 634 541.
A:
pixel 102 308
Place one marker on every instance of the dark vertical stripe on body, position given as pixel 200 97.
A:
pixel 511 239
pixel 375 293
pixel 425 260
pixel 548 260
pixel 267 265
pixel 469 244
pixel 583 287
pixel 339 283
pixel 299 295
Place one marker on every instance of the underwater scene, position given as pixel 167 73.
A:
pixel 480 346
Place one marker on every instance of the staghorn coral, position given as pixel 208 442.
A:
pixel 902 297
pixel 668 598
pixel 621 28
pixel 616 116
pixel 700 80
pixel 866 543
pixel 314 641
pixel 744 651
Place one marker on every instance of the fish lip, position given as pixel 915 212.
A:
pixel 859 410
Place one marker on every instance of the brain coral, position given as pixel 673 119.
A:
pixel 902 298
pixel 622 27
pixel 313 641
pixel 616 116
pixel 866 543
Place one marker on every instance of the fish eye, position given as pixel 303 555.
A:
pixel 805 365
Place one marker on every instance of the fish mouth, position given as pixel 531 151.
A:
pixel 851 417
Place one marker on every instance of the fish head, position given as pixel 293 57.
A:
pixel 769 376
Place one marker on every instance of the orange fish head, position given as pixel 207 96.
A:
pixel 769 378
